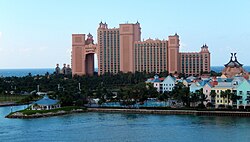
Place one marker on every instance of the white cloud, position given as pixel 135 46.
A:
pixel 183 45
pixel 68 50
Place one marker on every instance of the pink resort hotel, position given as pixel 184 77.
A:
pixel 121 49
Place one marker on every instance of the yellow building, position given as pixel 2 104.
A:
pixel 220 99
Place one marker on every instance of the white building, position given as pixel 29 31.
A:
pixel 167 84
pixel 157 82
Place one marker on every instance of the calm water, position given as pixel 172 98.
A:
pixel 108 127
pixel 24 72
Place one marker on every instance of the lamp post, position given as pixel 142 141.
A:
pixel 58 87
pixel 79 86
pixel 37 88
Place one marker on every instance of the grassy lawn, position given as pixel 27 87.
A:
pixel 67 108
pixel 11 98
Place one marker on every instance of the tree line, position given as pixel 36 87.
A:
pixel 127 88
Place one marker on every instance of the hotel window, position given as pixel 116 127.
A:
pixel 220 101
pixel 217 101
pixel 240 92
pixel 248 92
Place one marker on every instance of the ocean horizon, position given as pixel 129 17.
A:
pixel 42 71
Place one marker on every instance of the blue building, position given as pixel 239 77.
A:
pixel 243 91
pixel 45 104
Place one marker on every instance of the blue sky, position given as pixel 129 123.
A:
pixel 37 33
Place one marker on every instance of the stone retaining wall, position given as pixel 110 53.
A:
pixel 172 112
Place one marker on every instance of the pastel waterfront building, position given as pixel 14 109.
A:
pixel 207 89
pixel 121 49
pixel 186 82
pixel 220 99
pixel 163 84
pixel 168 84
pixel 243 91
pixel 157 83
pixel 220 86
pixel 194 87
pixel 207 92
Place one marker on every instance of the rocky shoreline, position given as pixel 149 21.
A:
pixel 133 111
pixel 39 115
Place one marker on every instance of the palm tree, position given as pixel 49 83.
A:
pixel 202 97
pixel 234 97
pixel 228 94
pixel 194 98
pixel 223 95
pixel 213 95
pixel 164 96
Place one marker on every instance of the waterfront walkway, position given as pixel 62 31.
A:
pixel 7 103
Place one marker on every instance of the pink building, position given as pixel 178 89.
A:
pixel 194 63
pixel 83 54
pixel 121 49
pixel 157 55
pixel 150 56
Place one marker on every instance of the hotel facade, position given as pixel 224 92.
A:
pixel 121 49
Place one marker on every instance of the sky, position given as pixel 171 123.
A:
pixel 37 33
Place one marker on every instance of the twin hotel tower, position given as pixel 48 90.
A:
pixel 121 49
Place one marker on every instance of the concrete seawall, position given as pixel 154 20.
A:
pixel 136 111
pixel 172 112
pixel 2 104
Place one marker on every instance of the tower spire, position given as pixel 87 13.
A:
pixel 231 57
pixel 235 58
